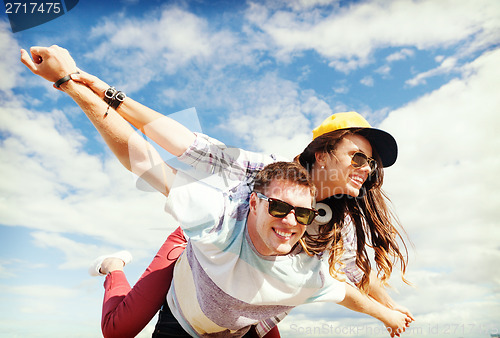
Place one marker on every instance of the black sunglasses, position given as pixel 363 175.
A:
pixel 359 160
pixel 280 209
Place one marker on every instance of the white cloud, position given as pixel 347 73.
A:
pixel 344 89
pixel 298 5
pixel 351 64
pixel 159 45
pixel 348 44
pixel 447 66
pixel 29 307
pixel 447 151
pixel 51 184
pixel 444 189
pixel 401 55
pixel 43 310
pixel 367 81
pixel 273 115
pixel 5 272
pixel 439 58
pixel 77 255
pixel 383 70
pixel 9 58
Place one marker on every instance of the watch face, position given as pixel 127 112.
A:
pixel 110 92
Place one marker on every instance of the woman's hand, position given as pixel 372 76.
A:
pixel 396 322
pixel 403 310
pixel 93 82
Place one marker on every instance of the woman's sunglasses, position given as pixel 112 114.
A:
pixel 280 209
pixel 359 160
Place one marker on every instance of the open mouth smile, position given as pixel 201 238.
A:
pixel 283 234
pixel 357 180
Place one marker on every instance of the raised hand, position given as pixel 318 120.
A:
pixel 51 63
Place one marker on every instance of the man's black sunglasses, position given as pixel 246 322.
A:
pixel 280 209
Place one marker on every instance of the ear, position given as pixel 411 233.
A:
pixel 320 158
pixel 253 203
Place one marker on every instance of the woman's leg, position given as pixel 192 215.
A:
pixel 126 311
pixel 273 333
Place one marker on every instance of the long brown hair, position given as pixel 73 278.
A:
pixel 375 224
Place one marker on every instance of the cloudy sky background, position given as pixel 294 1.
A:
pixel 261 75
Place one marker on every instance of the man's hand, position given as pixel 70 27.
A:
pixel 51 63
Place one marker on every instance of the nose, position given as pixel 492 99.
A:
pixel 365 169
pixel 290 219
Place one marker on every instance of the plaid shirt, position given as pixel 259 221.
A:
pixel 235 165
pixel 351 270
pixel 213 157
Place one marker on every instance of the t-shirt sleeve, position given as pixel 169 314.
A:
pixel 333 290
pixel 198 207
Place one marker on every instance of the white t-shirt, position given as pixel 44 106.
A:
pixel 221 284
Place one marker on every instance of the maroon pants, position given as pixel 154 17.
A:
pixel 125 310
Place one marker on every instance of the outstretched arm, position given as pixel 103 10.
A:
pixel 395 321
pixel 379 293
pixel 136 154
pixel 375 288
pixel 166 132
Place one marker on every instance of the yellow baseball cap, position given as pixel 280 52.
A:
pixel 385 145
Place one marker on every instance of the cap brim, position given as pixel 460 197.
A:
pixel 385 145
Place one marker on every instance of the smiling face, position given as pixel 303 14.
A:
pixel 273 236
pixel 338 175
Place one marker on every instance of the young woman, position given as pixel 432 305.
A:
pixel 351 156
pixel 342 166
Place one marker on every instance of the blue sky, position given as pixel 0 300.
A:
pixel 261 75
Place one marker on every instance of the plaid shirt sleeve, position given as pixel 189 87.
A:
pixel 214 157
pixel 351 270
pixel 265 326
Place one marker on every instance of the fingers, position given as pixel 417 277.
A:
pixel 26 60
pixel 91 81
pixel 404 310
pixel 41 52
pixel 83 77
pixel 409 318
pixel 397 331
pixel 36 54
pixel 37 50
pixel 408 313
